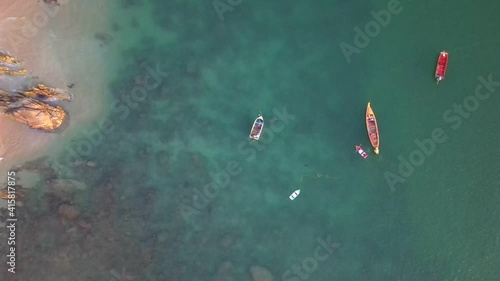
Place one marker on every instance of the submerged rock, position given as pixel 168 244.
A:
pixel 224 272
pixel 85 224
pixel 103 37
pixel 66 185
pixel 68 212
pixel 260 273
pixel 227 241
pixel 52 2
pixel 64 188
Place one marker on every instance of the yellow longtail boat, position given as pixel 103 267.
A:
pixel 372 128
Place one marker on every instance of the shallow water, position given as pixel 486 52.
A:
pixel 185 91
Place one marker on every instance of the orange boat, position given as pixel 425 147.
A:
pixel 441 66
pixel 372 128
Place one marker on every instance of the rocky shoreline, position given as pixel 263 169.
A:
pixel 33 106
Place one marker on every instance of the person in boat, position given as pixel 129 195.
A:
pixel 256 129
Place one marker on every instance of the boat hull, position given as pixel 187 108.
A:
pixel 294 194
pixel 442 65
pixel 372 128
pixel 258 126
pixel 361 152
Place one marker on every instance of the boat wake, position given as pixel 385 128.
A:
pixel 479 44
pixel 316 176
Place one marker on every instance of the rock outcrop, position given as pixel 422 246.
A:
pixel 31 107
pixel 64 189
pixel 68 212
pixel 260 273
pixel 35 114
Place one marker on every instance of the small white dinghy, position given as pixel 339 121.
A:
pixel 294 194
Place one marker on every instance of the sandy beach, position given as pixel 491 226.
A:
pixel 58 47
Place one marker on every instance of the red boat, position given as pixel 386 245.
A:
pixel 361 152
pixel 441 66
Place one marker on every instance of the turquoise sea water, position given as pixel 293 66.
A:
pixel 440 224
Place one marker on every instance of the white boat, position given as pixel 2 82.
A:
pixel 257 127
pixel 294 194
